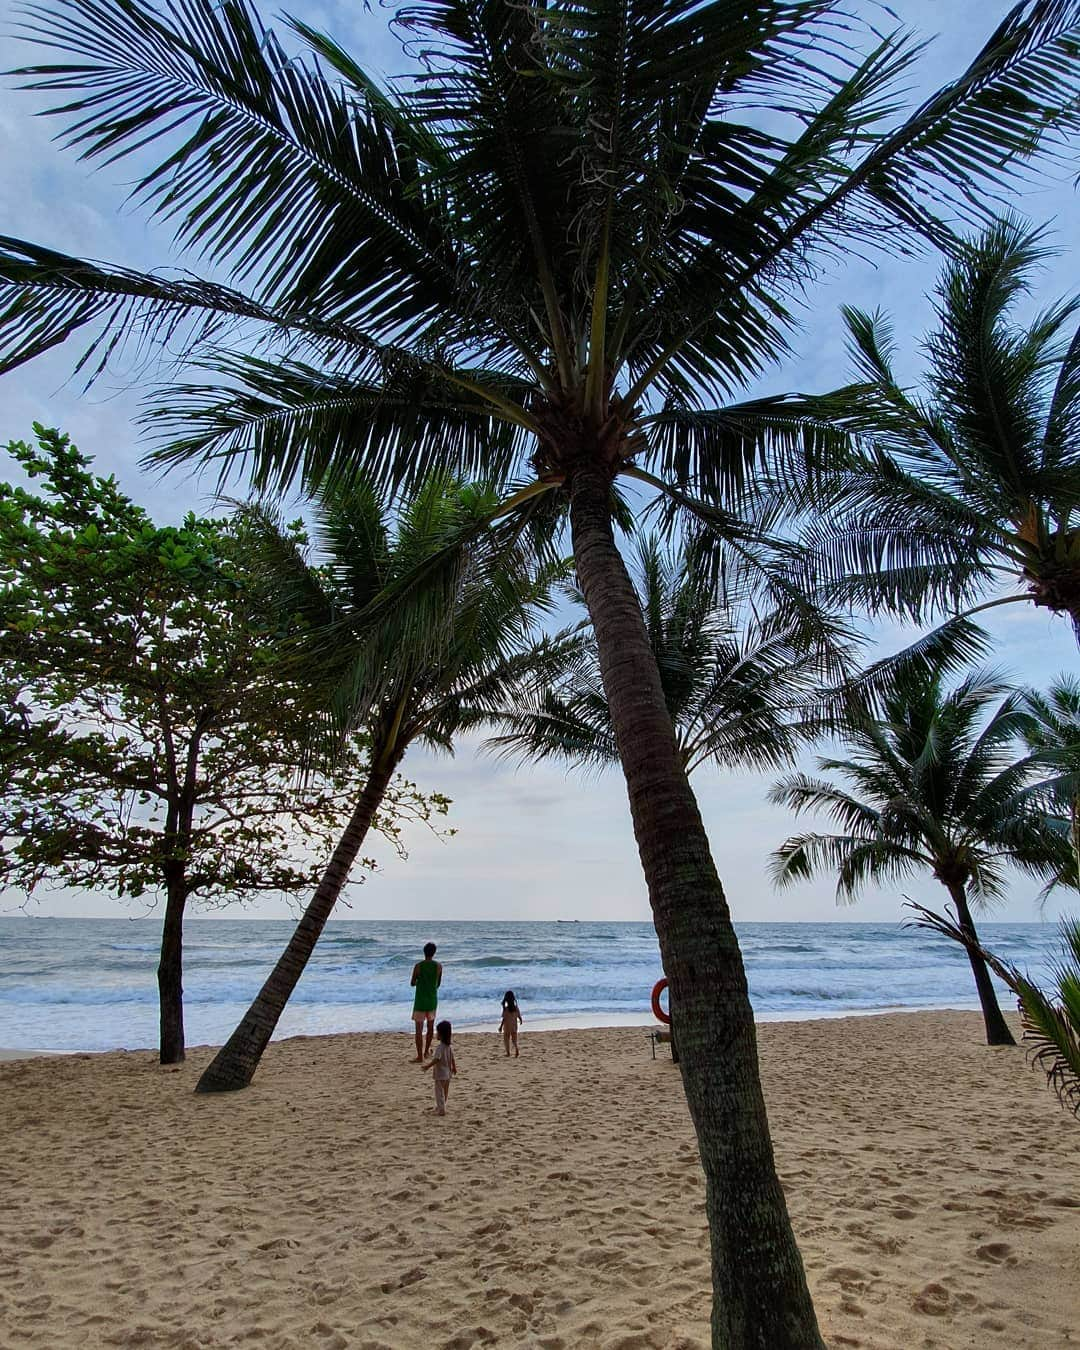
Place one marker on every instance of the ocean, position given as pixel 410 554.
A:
pixel 90 984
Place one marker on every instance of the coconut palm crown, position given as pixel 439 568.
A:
pixel 973 486
pixel 739 684
pixel 557 253
pixel 936 784
pixel 566 236
pixel 1052 733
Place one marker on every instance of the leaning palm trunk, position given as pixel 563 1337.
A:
pixel 997 1029
pixel 235 1063
pixel 760 1295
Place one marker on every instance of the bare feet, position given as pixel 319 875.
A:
pixel 440 1113
pixel 517 1054
pixel 418 1059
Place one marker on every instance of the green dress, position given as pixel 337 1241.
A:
pixel 427 987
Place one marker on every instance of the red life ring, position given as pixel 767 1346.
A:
pixel 658 1012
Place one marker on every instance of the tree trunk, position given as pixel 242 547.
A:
pixel 170 973
pixel 235 1063
pixel 997 1029
pixel 177 854
pixel 760 1296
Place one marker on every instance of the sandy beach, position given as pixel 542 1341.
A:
pixel 934 1186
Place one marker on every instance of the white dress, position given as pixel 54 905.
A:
pixel 441 1056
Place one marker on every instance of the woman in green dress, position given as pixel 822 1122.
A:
pixel 426 978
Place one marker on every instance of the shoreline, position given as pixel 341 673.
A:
pixel 555 1023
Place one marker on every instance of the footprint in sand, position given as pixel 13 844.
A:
pixel 329 1338
pixel 996 1254
pixel 403 1281
pixel 935 1301
pixel 1023 1218
pixel 465 1340
pixel 850 1279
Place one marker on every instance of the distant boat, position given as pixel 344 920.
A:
pixel 567 920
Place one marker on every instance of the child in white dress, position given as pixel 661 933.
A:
pixel 444 1064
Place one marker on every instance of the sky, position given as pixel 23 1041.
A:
pixel 535 843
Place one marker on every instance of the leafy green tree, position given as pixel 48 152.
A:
pixel 151 732
pixel 409 670
pixel 1051 1020
pixel 935 784
pixel 738 684
pixel 973 486
pixel 576 232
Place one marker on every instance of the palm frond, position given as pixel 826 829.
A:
pixel 1018 97
pixel 929 777
pixel 289 422
pixel 801 793
pixel 1062 431
pixel 46 296
pixel 464 567
pixel 576 732
pixel 948 649
pixel 735 675
pixel 717 454
pixel 972 486
pixel 292 585
pixel 295 182
pixel 987 375
pixel 854 860
pixel 1051 1026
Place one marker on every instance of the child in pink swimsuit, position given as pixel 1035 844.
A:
pixel 511 1017
pixel 444 1064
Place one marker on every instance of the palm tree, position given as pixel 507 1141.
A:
pixel 1050 1020
pixel 737 683
pixel 935 784
pixel 576 231
pixel 483 652
pixel 975 485
pixel 1052 734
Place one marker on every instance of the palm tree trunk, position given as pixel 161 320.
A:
pixel 235 1063
pixel 997 1029
pixel 760 1296
pixel 170 973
